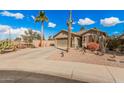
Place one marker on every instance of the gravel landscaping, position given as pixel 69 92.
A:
pixel 88 57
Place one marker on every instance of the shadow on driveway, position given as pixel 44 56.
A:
pixel 61 49
pixel 10 76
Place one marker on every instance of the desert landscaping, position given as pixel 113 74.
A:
pixel 76 55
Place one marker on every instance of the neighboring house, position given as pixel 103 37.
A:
pixel 78 39
pixel 121 39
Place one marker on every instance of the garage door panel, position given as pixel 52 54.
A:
pixel 62 42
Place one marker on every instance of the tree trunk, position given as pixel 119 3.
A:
pixel 42 29
pixel 102 44
pixel 69 38
pixel 69 31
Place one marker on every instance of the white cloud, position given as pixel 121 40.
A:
pixel 15 15
pixel 5 29
pixel 112 21
pixel 85 21
pixel 52 25
pixel 73 23
pixel 18 31
pixel 33 17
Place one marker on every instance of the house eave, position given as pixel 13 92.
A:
pixel 65 31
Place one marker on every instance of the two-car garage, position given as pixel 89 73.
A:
pixel 61 42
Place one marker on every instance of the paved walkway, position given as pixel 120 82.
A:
pixel 35 60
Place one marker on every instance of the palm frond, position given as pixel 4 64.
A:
pixel 41 17
pixel 46 19
pixel 37 19
pixel 42 13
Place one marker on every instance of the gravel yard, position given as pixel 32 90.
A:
pixel 89 57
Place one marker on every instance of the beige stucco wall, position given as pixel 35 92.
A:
pixel 46 43
pixel 36 43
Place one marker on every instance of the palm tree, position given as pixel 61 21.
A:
pixel 41 18
pixel 69 24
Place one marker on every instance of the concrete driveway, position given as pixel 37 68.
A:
pixel 35 60
pixel 27 54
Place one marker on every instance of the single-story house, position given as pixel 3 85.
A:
pixel 92 35
pixel 61 39
pixel 78 38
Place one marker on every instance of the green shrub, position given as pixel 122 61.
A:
pixel 121 47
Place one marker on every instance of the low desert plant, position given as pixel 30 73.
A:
pixel 93 46
pixel 120 48
pixel 4 45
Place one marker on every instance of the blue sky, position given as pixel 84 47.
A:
pixel 109 21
